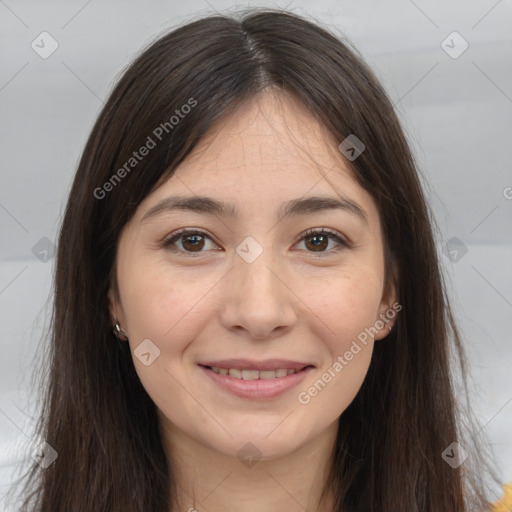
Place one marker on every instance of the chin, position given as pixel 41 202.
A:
pixel 263 442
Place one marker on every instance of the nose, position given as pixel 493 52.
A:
pixel 256 299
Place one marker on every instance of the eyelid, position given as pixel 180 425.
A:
pixel 324 231
pixel 182 231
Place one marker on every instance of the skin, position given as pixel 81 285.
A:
pixel 289 303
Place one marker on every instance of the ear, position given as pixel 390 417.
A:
pixel 116 313
pixel 388 308
pixel 114 306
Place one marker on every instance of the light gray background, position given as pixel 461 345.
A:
pixel 457 113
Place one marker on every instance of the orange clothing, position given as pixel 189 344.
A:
pixel 505 504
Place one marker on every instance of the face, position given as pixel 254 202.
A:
pixel 285 291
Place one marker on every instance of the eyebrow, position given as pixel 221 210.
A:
pixel 302 206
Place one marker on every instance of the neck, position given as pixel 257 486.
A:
pixel 208 480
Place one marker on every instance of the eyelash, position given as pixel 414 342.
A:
pixel 168 242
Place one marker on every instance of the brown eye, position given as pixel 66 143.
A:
pixel 317 241
pixel 192 242
pixel 187 242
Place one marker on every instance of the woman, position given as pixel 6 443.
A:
pixel 248 220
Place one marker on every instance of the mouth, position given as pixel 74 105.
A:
pixel 256 382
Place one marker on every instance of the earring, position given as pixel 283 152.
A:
pixel 390 327
pixel 118 332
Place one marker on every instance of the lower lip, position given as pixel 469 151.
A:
pixel 258 388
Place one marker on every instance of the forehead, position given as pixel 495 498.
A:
pixel 271 149
pixel 267 133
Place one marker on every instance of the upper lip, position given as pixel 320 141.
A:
pixel 250 364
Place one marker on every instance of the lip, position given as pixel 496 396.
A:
pixel 259 388
pixel 249 364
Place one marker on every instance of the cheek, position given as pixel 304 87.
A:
pixel 343 313
pixel 163 304
pixel 344 306
pixel 168 308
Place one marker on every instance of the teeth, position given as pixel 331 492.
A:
pixel 233 372
pixel 250 374
pixel 254 374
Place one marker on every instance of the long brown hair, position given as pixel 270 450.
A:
pixel 95 412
